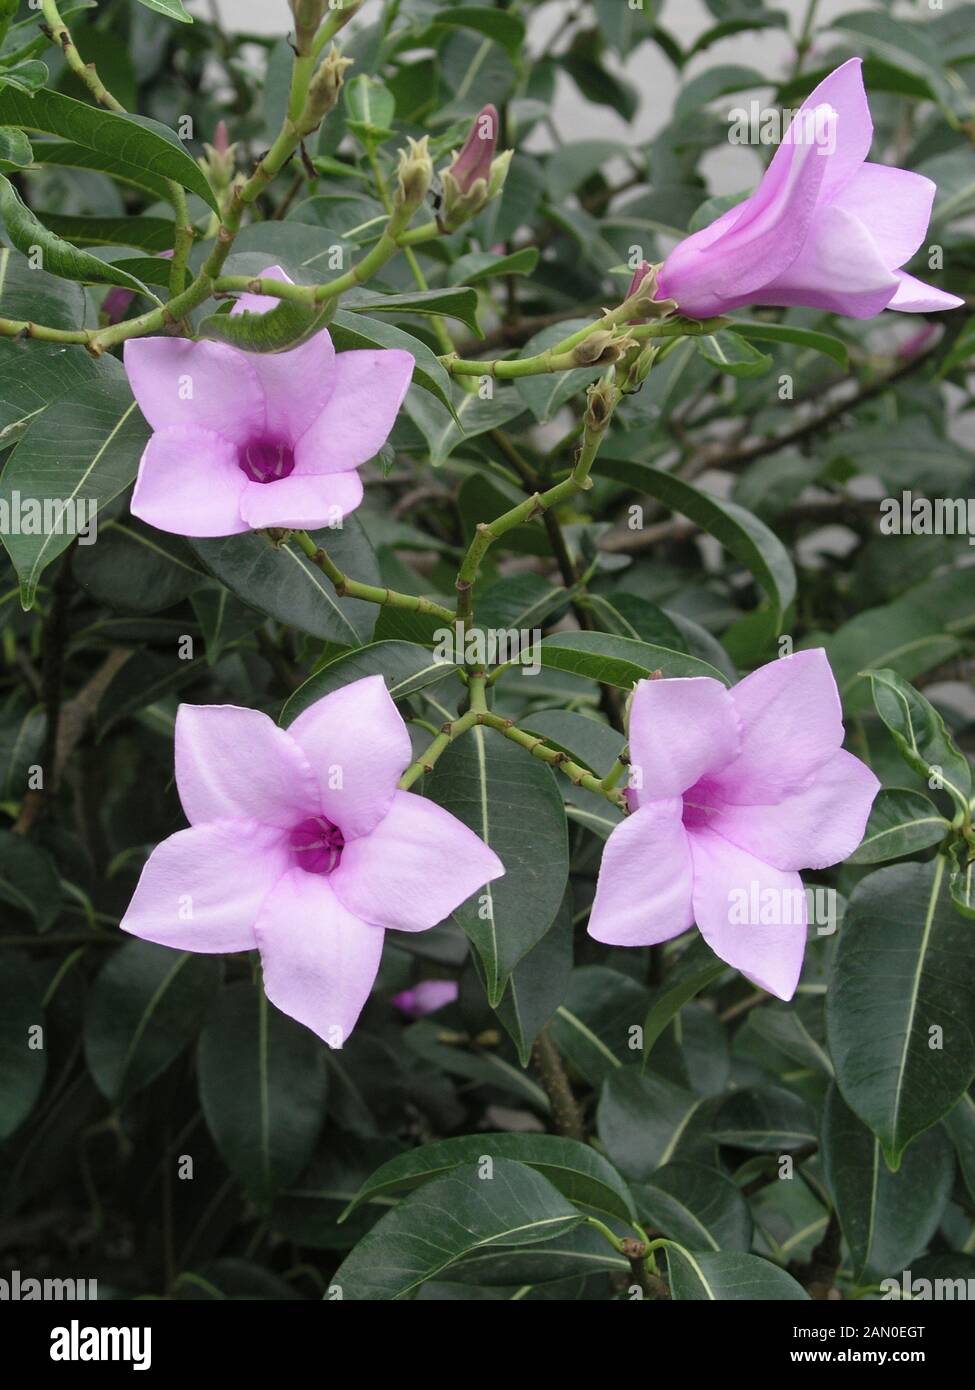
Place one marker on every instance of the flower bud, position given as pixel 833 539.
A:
pixel 477 153
pixel 643 294
pixel 324 89
pixel 308 16
pixel 414 175
pixel 217 161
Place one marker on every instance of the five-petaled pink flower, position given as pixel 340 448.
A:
pixel 245 440
pixel 301 845
pixel 738 789
pixel 824 228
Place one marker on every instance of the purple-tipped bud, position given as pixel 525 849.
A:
pixel 642 270
pixel 426 997
pixel 221 140
pixel 474 160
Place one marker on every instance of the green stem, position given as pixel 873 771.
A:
pixel 433 750
pixel 370 593
pixel 577 775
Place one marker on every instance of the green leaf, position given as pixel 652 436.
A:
pixel 33 375
pixel 733 354
pixel 67 154
pixel 921 736
pixel 797 337
pixel 136 568
pixel 24 1064
pixel 22 730
pixel 538 984
pixel 83 450
pixel 350 331
pixel 144 679
pixel 60 258
pixel 765 1119
pixel 280 580
pixel 887 1218
pixel 729 1276
pixel 961 883
pixel 745 537
pixel 695 1205
pixel 15 150
pixel 27 77
pixel 503 27
pixel 593 1028
pixel 404 666
pixel 456 302
pixel 618 661
pixel 458 1214
pixel 172 9
pixel 146 233
pixel 286 326
pixel 35 296
pixel 901 822
pixel 641 1121
pixel 898 1006
pixel 133 141
pixel 496 789
pixel 223 618
pixel 146 1005
pixel 370 110
pixel 577 1171
pixel 262 1087
pixel 697 968
pixel 29 879
pixel 484 265
pixel 470 416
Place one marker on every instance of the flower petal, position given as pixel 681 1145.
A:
pixel 415 868
pixel 307 503
pixel 234 763
pixel 759 240
pixel 361 411
pixel 210 386
pixel 852 129
pixel 679 730
pixel 751 915
pixel 809 829
pixel 915 297
pixel 643 895
pixel 355 737
pixel 791 724
pixel 839 268
pixel 202 889
pixel 296 384
pixel 319 960
pixel 189 482
pixel 895 207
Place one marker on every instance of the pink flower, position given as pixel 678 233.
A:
pixel 824 228
pixel 477 152
pixel 245 440
pixel 426 997
pixel 738 790
pixel 301 845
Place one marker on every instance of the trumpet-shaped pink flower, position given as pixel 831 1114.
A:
pixel 737 790
pixel 245 440
pixel 301 845
pixel 824 228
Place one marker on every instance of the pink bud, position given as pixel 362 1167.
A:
pixel 426 997
pixel 474 160
pixel 221 140
pixel 642 270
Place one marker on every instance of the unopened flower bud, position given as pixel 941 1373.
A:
pixel 499 172
pixel 308 16
pixel 323 92
pixel 477 152
pixel 415 173
pixel 217 161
